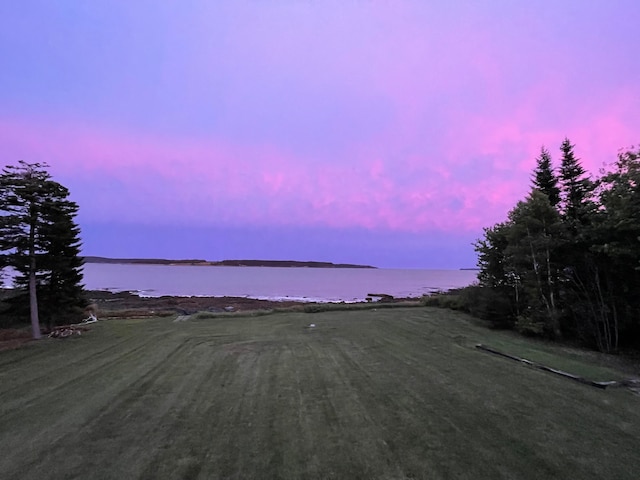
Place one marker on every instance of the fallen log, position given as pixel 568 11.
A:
pixel 545 368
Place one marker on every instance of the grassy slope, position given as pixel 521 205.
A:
pixel 366 394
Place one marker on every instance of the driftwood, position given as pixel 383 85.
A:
pixel 66 331
pixel 555 371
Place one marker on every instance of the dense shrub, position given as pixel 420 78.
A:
pixel 449 300
pixel 529 326
pixel 491 304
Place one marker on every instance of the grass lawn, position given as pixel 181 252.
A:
pixel 388 394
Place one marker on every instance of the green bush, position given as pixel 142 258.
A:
pixel 491 304
pixel 444 300
pixel 529 326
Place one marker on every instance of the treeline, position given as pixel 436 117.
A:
pixel 287 263
pixel 144 261
pixel 223 263
pixel 565 264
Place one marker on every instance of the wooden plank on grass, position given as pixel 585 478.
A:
pixel 555 371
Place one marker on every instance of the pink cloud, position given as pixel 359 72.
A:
pixel 464 180
pixel 117 177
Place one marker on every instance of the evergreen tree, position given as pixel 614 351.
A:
pixel 620 202
pixel 614 239
pixel 498 299
pixel 576 188
pixel 491 256
pixel 61 291
pixel 544 179
pixel 582 269
pixel 39 239
pixel 532 254
pixel 522 255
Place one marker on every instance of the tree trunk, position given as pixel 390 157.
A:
pixel 547 301
pixel 33 301
pixel 553 313
pixel 33 297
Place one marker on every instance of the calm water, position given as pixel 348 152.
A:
pixel 310 284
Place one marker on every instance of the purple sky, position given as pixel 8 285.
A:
pixel 380 132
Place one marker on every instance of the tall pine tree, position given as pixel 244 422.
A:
pixel 40 240
pixel 576 188
pixel 544 179
pixel 60 292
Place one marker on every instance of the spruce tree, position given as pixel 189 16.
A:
pixel 60 292
pixel 40 240
pixel 575 186
pixel 544 179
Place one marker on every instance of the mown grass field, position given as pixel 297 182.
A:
pixel 373 394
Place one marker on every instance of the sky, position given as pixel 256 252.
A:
pixel 381 132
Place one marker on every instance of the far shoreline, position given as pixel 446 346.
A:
pixel 222 263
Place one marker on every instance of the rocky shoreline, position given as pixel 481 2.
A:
pixel 108 304
pixel 121 304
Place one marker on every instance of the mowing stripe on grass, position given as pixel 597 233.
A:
pixel 371 394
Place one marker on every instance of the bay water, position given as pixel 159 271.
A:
pixel 269 283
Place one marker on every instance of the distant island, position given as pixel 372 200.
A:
pixel 222 263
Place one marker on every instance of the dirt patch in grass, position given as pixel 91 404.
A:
pixel 11 338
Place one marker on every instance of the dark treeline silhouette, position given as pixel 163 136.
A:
pixel 565 264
